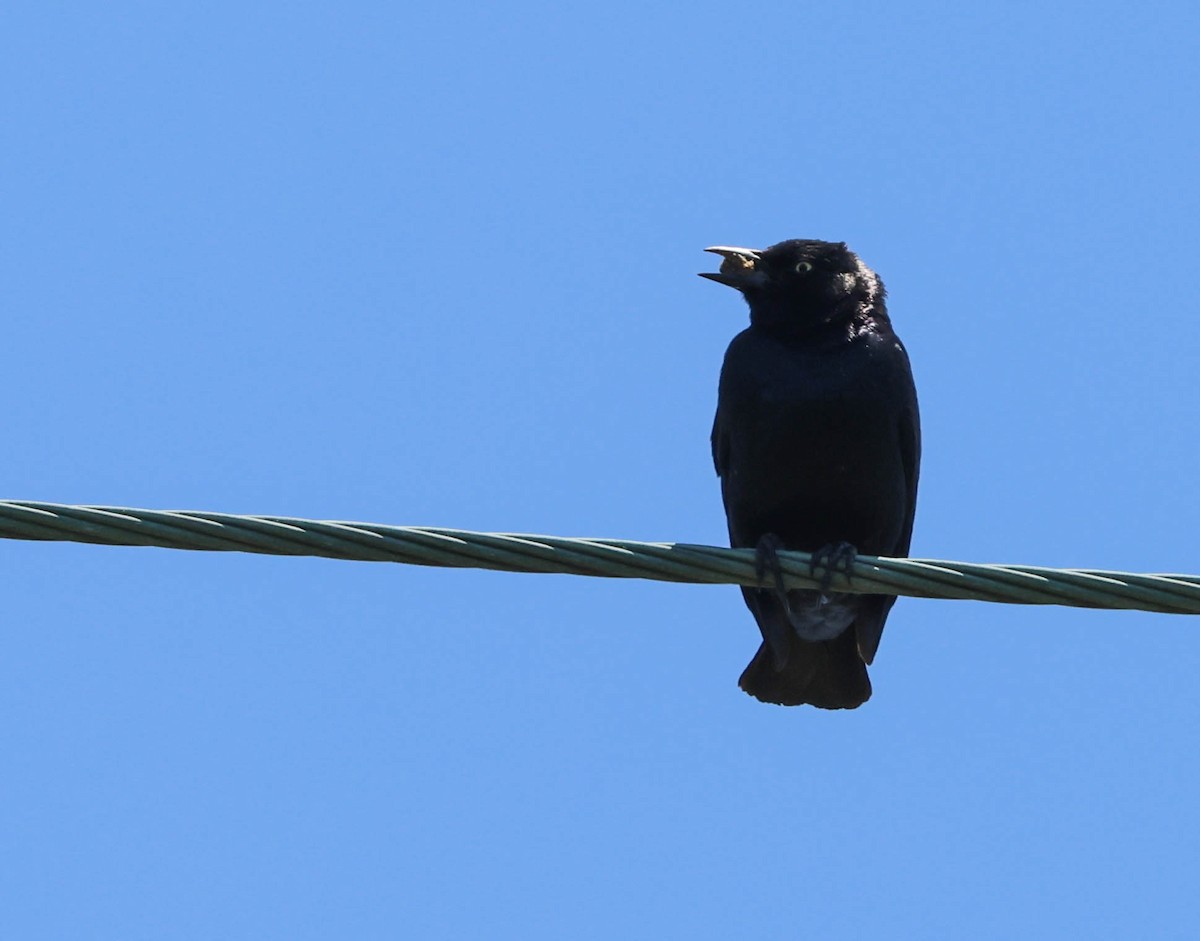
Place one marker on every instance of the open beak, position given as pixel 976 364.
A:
pixel 737 268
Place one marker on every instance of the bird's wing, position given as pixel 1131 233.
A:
pixel 910 455
pixel 869 625
pixel 720 445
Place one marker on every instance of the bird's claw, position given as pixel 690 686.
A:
pixel 766 559
pixel 831 559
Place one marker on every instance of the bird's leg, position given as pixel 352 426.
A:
pixel 775 630
pixel 833 558
pixel 766 558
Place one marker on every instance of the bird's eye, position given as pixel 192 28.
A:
pixel 803 267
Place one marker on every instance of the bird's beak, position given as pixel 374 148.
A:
pixel 738 270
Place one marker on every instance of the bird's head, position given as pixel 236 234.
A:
pixel 801 285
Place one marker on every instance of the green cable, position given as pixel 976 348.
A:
pixel 611 558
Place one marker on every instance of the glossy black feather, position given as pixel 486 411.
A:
pixel 817 442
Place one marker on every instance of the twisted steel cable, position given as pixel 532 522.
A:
pixel 611 558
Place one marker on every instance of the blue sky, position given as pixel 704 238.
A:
pixel 424 265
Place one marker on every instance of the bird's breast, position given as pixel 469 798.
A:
pixel 814 449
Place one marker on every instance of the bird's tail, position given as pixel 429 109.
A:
pixel 828 674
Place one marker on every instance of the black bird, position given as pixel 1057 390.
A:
pixel 817 442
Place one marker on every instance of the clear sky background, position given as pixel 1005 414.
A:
pixel 424 264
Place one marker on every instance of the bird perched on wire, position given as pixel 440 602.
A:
pixel 817 442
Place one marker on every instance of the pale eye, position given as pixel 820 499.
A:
pixel 803 268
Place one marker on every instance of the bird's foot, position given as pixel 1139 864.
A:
pixel 766 560
pixel 775 630
pixel 831 559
